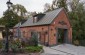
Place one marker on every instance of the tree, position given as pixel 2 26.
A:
pixel 59 4
pixel 19 10
pixel 54 4
pixel 1 21
pixel 47 7
pixel 77 17
pixel 10 18
pixel 74 4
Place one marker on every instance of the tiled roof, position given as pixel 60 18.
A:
pixel 47 19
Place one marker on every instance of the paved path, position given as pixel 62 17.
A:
pixel 70 49
pixel 65 49
pixel 49 51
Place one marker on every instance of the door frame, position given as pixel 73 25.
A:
pixel 58 33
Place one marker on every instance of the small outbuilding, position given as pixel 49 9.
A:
pixel 51 28
pixel 1 30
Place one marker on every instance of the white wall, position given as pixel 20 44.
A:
pixel 1 35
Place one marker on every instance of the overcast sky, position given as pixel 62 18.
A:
pixel 30 5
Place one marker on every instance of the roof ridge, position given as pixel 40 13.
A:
pixel 53 10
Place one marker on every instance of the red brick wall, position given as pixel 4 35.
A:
pixel 40 29
pixel 51 29
pixel 55 24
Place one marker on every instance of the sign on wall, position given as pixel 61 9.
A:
pixel 62 23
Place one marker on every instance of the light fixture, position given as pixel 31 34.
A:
pixel 9 4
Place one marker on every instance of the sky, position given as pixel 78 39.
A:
pixel 30 5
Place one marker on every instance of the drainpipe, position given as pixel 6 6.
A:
pixel 48 34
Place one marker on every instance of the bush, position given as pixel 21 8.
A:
pixel 82 42
pixel 25 42
pixel 1 44
pixel 33 41
pixel 15 45
pixel 33 49
pixel 76 42
pixel 24 45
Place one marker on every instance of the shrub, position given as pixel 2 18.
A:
pixel 33 48
pixel 76 42
pixel 82 42
pixel 1 44
pixel 33 41
pixel 15 45
pixel 25 42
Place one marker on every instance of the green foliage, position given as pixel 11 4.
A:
pixel 77 18
pixel 59 4
pixel 62 3
pixel 18 47
pixel 15 46
pixel 76 42
pixel 47 7
pixel 19 9
pixel 82 42
pixel 1 44
pixel 9 18
pixel 26 42
pixel 33 49
pixel 34 41
pixel 29 42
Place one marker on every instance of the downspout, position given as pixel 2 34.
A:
pixel 48 34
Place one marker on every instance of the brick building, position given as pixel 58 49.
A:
pixel 52 27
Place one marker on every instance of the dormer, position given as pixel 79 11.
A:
pixel 38 17
pixel 35 19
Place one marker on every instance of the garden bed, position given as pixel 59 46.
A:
pixel 20 53
pixel 30 50
pixel 22 47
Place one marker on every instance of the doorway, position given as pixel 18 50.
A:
pixel 62 36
